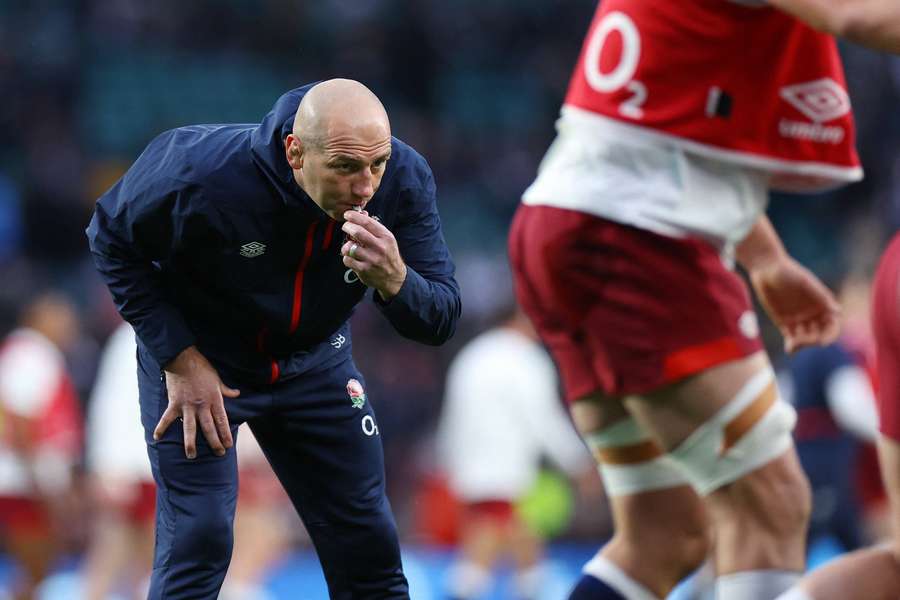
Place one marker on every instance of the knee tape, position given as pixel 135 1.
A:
pixel 750 431
pixel 630 461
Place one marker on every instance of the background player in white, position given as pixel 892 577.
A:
pixel 121 484
pixel 40 438
pixel 502 414
pixel 657 178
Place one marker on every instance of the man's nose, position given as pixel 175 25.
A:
pixel 364 185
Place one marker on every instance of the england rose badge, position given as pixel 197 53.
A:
pixel 356 393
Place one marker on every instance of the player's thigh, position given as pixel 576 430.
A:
pixel 730 433
pixel 675 412
pixel 595 412
pixel 648 494
pixel 630 459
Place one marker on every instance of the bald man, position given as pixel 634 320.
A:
pixel 238 253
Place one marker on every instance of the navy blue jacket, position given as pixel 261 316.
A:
pixel 208 240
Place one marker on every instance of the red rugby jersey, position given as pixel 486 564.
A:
pixel 749 85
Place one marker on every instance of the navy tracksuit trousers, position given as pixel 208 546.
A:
pixel 327 454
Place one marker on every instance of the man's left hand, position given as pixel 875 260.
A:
pixel 371 251
pixel 804 310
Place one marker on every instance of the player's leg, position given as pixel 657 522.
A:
pixel 325 447
pixel 111 551
pixel 595 292
pixel 661 532
pixel 870 573
pixel 526 547
pixel 195 502
pixel 867 574
pixel 731 434
pixel 482 541
pixel 28 538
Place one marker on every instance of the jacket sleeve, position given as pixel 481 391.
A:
pixel 136 225
pixel 428 306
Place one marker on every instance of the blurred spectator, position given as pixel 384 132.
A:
pixel 40 438
pixel 124 497
pixel 502 413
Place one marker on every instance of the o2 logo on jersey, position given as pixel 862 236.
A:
pixel 621 75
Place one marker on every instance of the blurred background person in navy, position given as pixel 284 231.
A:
pixel 502 414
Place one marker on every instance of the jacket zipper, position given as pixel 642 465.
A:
pixel 297 303
pixel 274 371
pixel 298 278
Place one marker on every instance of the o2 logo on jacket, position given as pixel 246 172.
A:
pixel 368 426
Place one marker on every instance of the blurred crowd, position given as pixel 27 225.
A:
pixel 474 85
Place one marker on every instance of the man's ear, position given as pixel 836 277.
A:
pixel 293 150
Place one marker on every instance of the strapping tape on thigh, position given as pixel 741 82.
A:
pixel 750 431
pixel 630 461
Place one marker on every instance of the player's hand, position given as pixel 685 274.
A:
pixel 371 251
pixel 803 309
pixel 196 396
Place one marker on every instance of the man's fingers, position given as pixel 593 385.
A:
pixel 360 234
pixel 830 330
pixel 165 420
pixel 353 263
pixel 208 426
pixel 361 254
pixel 819 332
pixel 796 337
pixel 371 225
pixel 229 392
pixel 190 434
pixel 220 418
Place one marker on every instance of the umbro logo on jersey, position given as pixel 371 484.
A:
pixel 821 100
pixel 253 249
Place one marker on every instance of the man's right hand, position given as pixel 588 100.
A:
pixel 196 396
pixel 803 309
